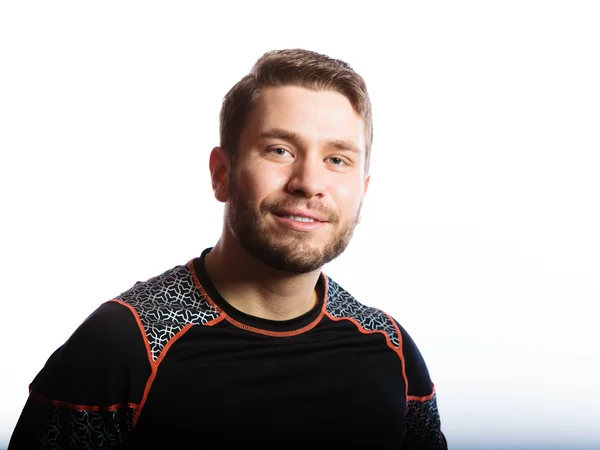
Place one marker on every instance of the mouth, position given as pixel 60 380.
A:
pixel 299 218
pixel 301 215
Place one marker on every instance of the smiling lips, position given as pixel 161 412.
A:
pixel 301 215
pixel 301 220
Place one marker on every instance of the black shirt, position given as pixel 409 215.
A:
pixel 169 363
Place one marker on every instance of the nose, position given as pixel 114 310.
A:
pixel 307 179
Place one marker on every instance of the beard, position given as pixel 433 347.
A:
pixel 283 249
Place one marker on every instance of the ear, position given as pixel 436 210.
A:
pixel 219 173
pixel 365 188
pixel 367 180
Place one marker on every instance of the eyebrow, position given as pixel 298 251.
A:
pixel 280 133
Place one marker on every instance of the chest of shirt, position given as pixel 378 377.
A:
pixel 235 384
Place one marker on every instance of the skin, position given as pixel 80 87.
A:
pixel 302 152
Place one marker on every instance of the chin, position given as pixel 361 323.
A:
pixel 294 257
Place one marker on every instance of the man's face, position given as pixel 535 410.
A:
pixel 297 185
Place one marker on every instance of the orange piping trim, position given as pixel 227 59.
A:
pixel 155 370
pixel 62 404
pixel 154 364
pixel 416 398
pixel 398 350
pixel 140 326
pixel 425 398
pixel 275 333
pixel 249 328
pixel 400 353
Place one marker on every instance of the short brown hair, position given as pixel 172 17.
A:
pixel 296 67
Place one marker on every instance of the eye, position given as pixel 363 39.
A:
pixel 279 151
pixel 336 161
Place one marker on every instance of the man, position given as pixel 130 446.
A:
pixel 251 341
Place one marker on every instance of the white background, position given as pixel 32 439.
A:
pixel 481 225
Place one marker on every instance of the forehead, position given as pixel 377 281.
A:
pixel 314 114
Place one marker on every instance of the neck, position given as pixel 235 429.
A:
pixel 256 289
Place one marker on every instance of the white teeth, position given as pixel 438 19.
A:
pixel 300 218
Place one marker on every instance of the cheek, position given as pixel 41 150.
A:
pixel 258 182
pixel 347 197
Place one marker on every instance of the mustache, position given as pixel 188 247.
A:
pixel 276 205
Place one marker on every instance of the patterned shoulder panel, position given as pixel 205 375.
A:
pixel 423 425
pixel 167 303
pixel 109 428
pixel 342 305
pixel 46 426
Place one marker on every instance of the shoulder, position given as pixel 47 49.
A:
pixel 170 286
pixel 343 305
pixel 111 330
pixel 173 298
pixel 417 373
pixel 166 304
pixel 106 350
